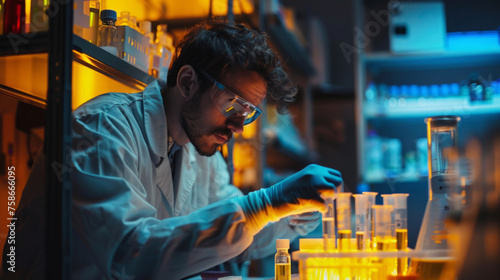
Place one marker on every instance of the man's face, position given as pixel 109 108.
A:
pixel 205 126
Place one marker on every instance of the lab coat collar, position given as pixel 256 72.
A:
pixel 155 120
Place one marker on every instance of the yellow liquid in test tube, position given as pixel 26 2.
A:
pixel 401 245
pixel 386 245
pixel 384 240
pixel 344 240
pixel 402 239
pixel 390 264
pixel 360 236
pixel 344 245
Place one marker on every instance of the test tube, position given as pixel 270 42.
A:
pixel 361 212
pixel 344 220
pixel 329 237
pixel 401 220
pixel 383 238
pixel 329 226
pixel 382 226
pixel 400 211
pixel 370 202
pixel 389 200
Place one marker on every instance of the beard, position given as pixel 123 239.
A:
pixel 191 122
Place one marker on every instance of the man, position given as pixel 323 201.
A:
pixel 151 194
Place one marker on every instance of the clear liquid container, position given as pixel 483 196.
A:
pixel 160 30
pixel 282 261
pixel 361 212
pixel 124 19
pixel 152 51
pixel 442 151
pixel 108 34
pixel 133 23
pixel 344 221
pixel 329 226
pixel 39 19
pixel 371 196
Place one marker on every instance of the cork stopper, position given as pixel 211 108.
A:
pixel 282 244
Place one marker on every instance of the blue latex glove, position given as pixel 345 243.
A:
pixel 297 194
pixel 304 223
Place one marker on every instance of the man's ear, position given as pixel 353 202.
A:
pixel 187 79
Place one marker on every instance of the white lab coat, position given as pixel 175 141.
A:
pixel 126 220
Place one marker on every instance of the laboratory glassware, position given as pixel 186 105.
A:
pixel 108 35
pixel 39 19
pixel 370 234
pixel 389 200
pixel 344 221
pixel 441 144
pixel 282 261
pixel 442 148
pixel 361 212
pixel 400 213
pixel 329 225
pixel 382 227
pixel 383 238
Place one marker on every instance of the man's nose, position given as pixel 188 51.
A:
pixel 235 123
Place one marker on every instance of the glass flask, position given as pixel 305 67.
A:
pixel 442 150
pixel 441 145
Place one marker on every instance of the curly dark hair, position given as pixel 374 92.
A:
pixel 217 48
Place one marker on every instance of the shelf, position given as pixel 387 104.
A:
pixel 431 107
pixel 23 96
pixel 291 49
pixel 95 71
pixel 29 43
pixel 84 52
pixel 100 60
pixel 403 178
pixel 387 61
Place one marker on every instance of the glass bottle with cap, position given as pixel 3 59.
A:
pixel 108 34
pixel 282 264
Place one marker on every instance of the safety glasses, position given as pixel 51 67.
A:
pixel 230 104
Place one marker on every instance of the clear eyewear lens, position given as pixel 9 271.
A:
pixel 229 103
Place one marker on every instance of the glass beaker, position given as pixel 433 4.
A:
pixel 442 150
